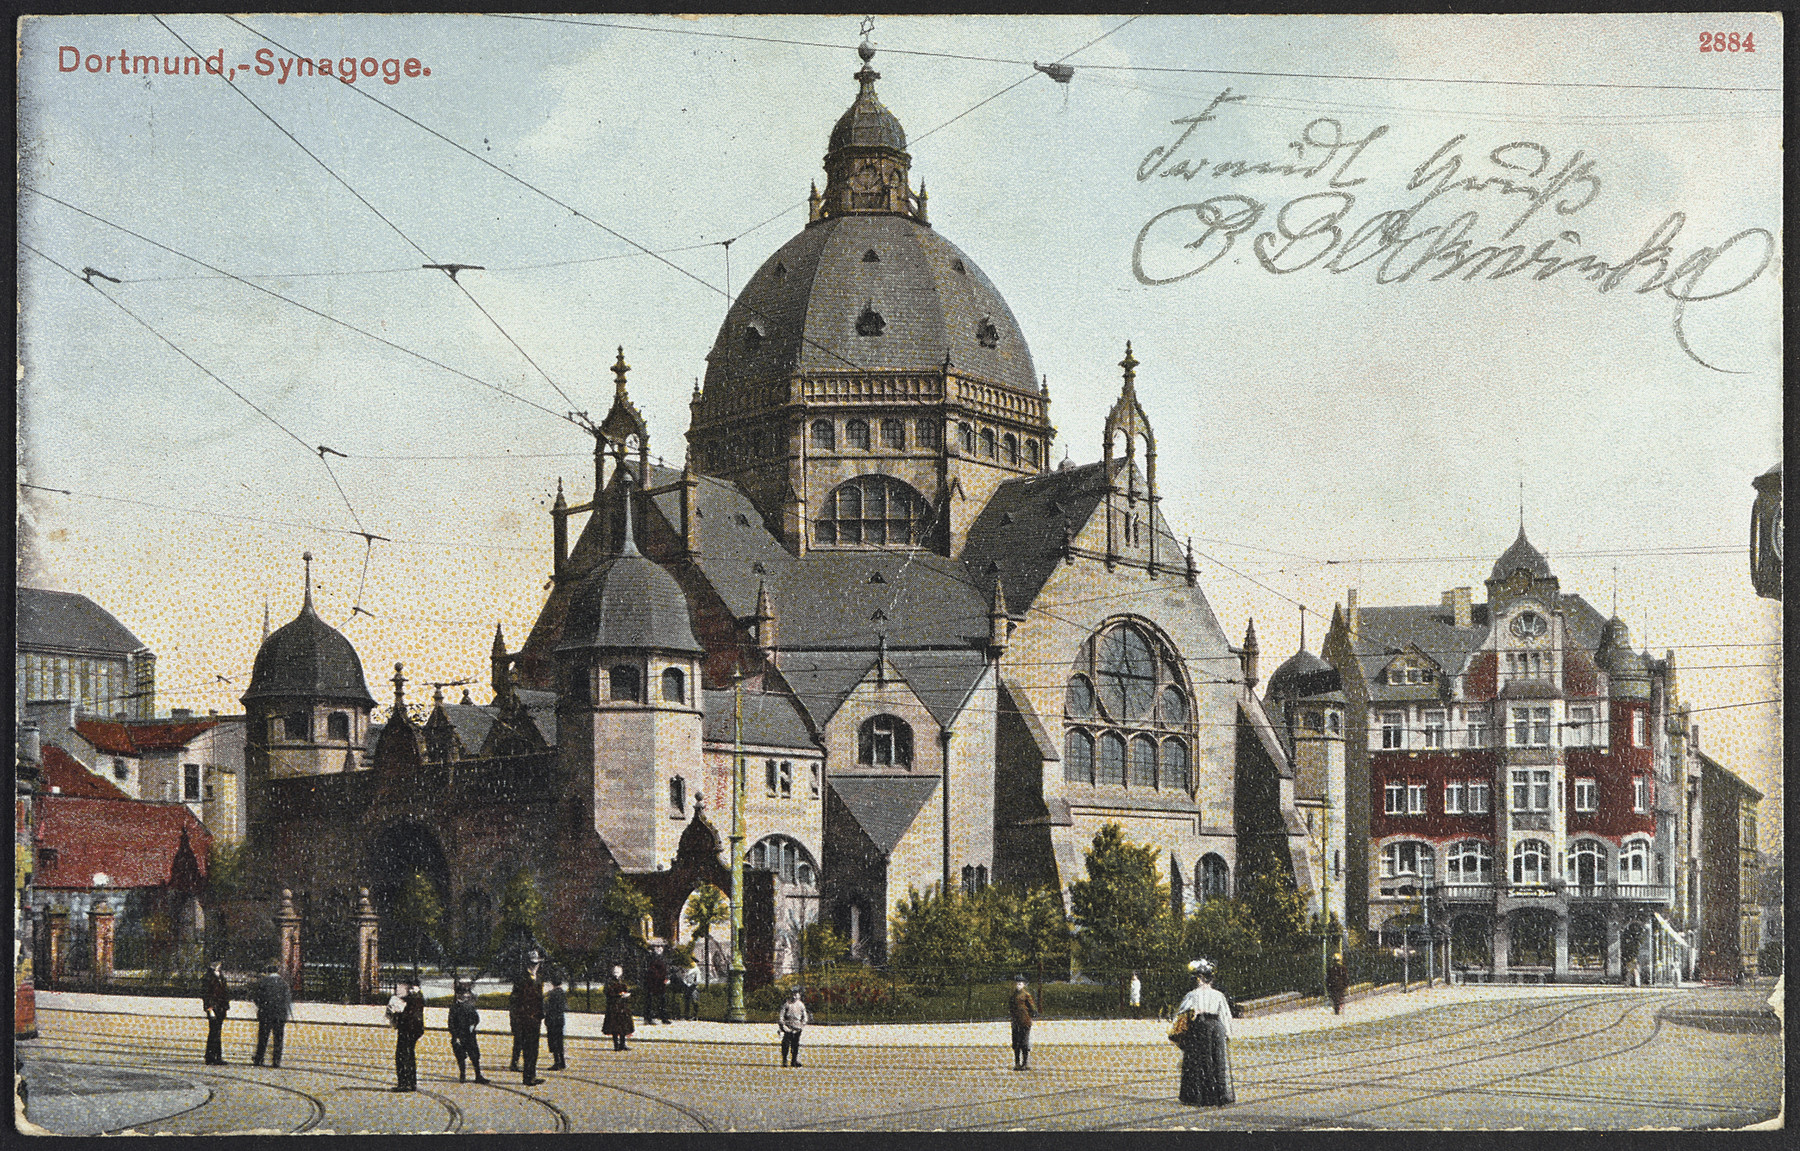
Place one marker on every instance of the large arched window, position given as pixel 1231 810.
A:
pixel 1531 862
pixel 787 858
pixel 1214 878
pixel 1587 863
pixel 1470 861
pixel 873 510
pixel 1408 859
pixel 1128 694
pixel 885 741
pixel 674 685
pixel 824 435
pixel 1010 446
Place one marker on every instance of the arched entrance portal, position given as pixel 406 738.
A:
pixel 398 853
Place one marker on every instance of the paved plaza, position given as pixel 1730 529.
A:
pixel 1459 1058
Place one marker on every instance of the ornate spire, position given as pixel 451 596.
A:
pixel 866 163
pixel 619 368
pixel 1250 651
pixel 1129 363
pixel 399 690
pixel 265 618
pixel 307 605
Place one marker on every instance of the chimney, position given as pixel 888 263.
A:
pixel 1352 617
pixel 1461 604
pixel 1694 738
pixel 181 713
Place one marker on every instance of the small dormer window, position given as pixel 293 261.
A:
pixel 986 334
pixel 753 337
pixel 780 270
pixel 960 269
pixel 871 257
pixel 870 322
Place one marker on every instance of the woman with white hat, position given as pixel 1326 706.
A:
pixel 1203 1031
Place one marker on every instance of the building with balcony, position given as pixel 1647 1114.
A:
pixel 1515 759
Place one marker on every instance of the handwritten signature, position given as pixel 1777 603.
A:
pixel 1311 230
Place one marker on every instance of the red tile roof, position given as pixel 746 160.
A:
pixel 132 842
pixel 138 738
pixel 67 774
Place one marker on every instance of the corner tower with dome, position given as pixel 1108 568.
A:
pixel 942 663
pixel 1509 768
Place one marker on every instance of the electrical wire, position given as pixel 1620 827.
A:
pixel 363 200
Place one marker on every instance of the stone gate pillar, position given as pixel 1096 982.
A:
pixel 56 919
pixel 1614 962
pixel 1560 965
pixel 1502 947
pixel 287 923
pixel 100 921
pixel 368 949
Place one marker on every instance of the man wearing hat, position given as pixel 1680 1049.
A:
pixel 1023 1010
pixel 215 1000
pixel 528 1016
pixel 464 1019
pixel 274 1002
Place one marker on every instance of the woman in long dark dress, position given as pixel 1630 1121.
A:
pixel 1205 1046
pixel 618 1022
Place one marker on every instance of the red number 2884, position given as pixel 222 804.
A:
pixel 1720 42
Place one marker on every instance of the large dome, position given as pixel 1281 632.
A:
pixel 802 310
pixel 308 658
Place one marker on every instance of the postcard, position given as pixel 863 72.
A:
pixel 612 573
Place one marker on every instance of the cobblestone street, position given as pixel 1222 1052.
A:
pixel 1468 1058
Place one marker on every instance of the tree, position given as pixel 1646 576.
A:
pixel 521 916
pixel 936 933
pixel 1276 909
pixel 418 913
pixel 1034 927
pixel 625 906
pixel 1122 907
pixel 821 946
pixel 707 906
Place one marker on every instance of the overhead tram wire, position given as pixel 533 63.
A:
pixel 429 259
pixel 410 268
pixel 578 213
pixel 252 404
pixel 295 303
pixel 831 352
pixel 1137 67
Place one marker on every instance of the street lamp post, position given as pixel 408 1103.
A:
pixel 734 979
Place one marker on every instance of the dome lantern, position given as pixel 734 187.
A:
pixel 866 163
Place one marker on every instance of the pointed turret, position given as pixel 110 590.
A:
pixel 762 624
pixel 998 622
pixel 500 664
pixel 1248 656
pixel 559 529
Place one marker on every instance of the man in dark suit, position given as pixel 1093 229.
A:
pixel 409 1025
pixel 528 1015
pixel 656 987
pixel 556 1006
pixel 215 1000
pixel 274 1003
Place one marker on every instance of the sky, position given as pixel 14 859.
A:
pixel 1268 208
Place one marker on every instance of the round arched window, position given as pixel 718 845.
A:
pixel 873 510
pixel 1129 713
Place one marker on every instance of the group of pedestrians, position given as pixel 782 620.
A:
pixel 274 1004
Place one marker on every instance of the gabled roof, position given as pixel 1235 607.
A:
pixel 1709 764
pixel 941 679
pixel 65 620
pixel 471 722
pixel 540 706
pixel 822 680
pixel 832 598
pixel 884 806
pixel 131 842
pixel 1384 633
pixel 771 719
pixel 138 738
pixel 65 774
pixel 1021 528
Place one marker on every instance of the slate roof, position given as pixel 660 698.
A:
pixel 771 719
pixel 807 311
pixel 541 707
pixel 472 723
pixel 71 622
pixel 65 774
pixel 1021 529
pixel 1384 632
pixel 138 738
pixel 734 542
pixel 309 658
pixel 1251 710
pixel 884 806
pixel 130 841
pixel 1521 555
pixel 1302 674
pixel 629 601
pixel 867 123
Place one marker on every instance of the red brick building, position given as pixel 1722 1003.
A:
pixel 1511 760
